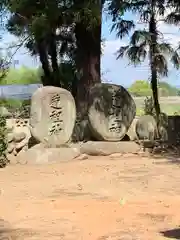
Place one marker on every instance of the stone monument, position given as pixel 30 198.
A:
pixel 111 111
pixel 52 116
pixel 146 128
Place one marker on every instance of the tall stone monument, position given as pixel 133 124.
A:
pixel 111 111
pixel 52 116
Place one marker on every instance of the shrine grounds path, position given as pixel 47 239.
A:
pixel 124 198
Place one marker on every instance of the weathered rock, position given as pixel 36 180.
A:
pixel 10 147
pixel 163 126
pixel 14 152
pixel 82 157
pixel 12 159
pixel 53 115
pixel 116 155
pixel 163 118
pixel 19 136
pixel 108 148
pixel 40 155
pixel 10 137
pixel 22 144
pixel 111 111
pixel 132 130
pixel 163 133
pixel 146 128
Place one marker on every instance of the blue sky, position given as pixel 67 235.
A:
pixel 115 71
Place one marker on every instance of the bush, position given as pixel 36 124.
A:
pixel 149 106
pixel 3 142
pixel 142 88
pixel 17 107
pixel 22 75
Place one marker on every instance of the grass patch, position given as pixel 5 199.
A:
pixel 170 107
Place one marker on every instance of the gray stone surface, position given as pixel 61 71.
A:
pixel 12 159
pixel 41 155
pixel 22 144
pixel 111 111
pixel 162 128
pixel 132 130
pixel 146 128
pixel 19 136
pixel 10 147
pixel 53 115
pixel 108 148
pixel 163 133
pixel 10 137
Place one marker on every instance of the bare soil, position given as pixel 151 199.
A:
pixel 127 198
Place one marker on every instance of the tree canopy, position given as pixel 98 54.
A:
pixel 67 34
pixel 142 88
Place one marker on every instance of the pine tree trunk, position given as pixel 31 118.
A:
pixel 154 83
pixel 46 79
pixel 152 53
pixel 54 61
pixel 88 62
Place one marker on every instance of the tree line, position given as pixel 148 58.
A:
pixel 21 76
pixel 67 34
pixel 142 88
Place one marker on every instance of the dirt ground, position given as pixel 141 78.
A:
pixel 127 198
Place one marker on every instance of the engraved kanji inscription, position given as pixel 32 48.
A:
pixel 115 125
pixel 55 101
pixel 55 115
pixel 55 128
pixel 115 122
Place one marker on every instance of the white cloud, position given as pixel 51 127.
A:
pixel 170 33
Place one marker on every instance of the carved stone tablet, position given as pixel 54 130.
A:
pixel 111 111
pixel 53 115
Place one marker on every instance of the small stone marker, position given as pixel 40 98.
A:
pixel 111 111
pixel 146 128
pixel 53 115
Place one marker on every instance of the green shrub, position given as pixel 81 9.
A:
pixel 23 75
pixel 17 107
pixel 3 142
pixel 141 88
pixel 149 106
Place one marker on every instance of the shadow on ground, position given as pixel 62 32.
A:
pixel 168 153
pixel 173 233
pixel 7 232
